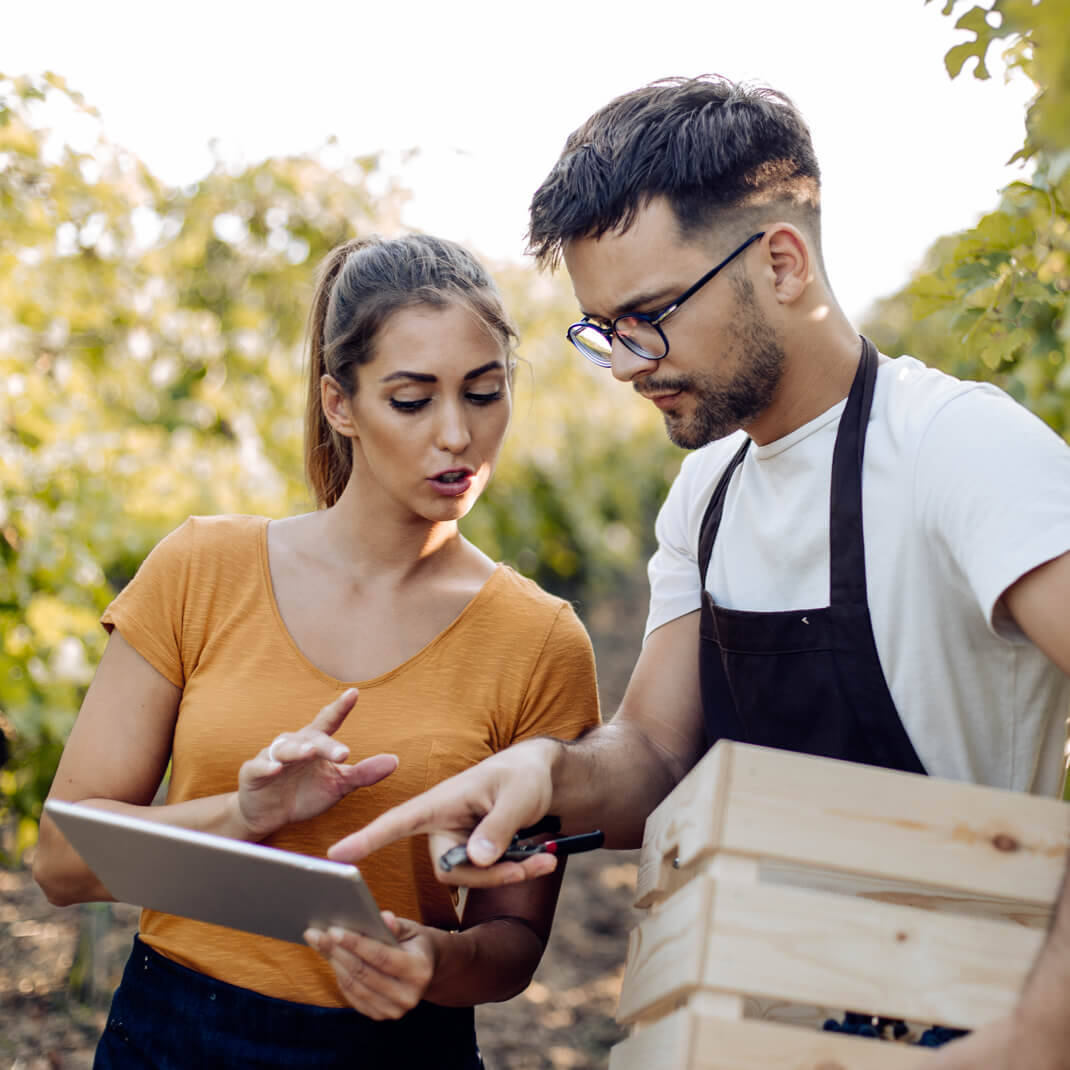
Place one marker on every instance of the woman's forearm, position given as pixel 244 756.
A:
pixel 66 879
pixel 491 962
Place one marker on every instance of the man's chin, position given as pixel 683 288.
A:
pixel 691 436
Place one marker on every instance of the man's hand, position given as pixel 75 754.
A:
pixel 483 808
pixel 1009 1044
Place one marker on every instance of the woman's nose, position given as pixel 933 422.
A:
pixel 453 433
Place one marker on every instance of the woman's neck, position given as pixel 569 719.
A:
pixel 385 543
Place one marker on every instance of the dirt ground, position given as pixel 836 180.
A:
pixel 51 1019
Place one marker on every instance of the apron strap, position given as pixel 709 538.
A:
pixel 711 519
pixel 847 552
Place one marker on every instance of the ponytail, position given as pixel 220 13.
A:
pixel 328 455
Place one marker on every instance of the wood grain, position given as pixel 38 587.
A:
pixel 786 944
pixel 820 813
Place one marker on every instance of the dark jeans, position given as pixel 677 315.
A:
pixel 165 1017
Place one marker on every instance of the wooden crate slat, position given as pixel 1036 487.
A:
pixel 667 953
pixel 819 812
pixel 781 943
pixel 688 1041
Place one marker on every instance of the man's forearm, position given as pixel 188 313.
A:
pixel 611 779
pixel 1044 1008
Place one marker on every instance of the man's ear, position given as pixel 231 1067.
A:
pixel 792 262
pixel 336 407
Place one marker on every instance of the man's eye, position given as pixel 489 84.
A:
pixel 408 406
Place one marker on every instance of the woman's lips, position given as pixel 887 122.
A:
pixel 452 488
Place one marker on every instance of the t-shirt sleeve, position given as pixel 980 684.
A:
pixel 561 698
pixel 675 584
pixel 149 611
pixel 993 485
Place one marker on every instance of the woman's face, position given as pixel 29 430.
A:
pixel 430 411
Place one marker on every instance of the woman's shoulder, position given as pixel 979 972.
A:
pixel 215 541
pixel 525 592
pixel 521 605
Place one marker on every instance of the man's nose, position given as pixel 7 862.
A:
pixel 626 365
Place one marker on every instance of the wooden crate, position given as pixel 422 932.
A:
pixel 783 889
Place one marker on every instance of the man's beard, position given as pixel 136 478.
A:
pixel 721 407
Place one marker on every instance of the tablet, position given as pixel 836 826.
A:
pixel 215 879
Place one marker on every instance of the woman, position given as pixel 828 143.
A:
pixel 236 627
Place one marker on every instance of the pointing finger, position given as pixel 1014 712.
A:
pixel 330 718
pixel 408 819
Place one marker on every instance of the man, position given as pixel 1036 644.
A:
pixel 864 558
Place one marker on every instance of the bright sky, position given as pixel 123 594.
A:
pixel 487 91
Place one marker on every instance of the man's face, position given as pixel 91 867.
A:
pixel 724 361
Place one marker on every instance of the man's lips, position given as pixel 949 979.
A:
pixel 664 400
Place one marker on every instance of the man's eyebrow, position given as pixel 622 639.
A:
pixel 424 377
pixel 651 297
pixel 637 301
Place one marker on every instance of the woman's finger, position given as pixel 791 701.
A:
pixel 330 718
pixel 364 985
pixel 386 962
pixel 370 770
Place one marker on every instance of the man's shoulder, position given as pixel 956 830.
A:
pixel 919 390
pixel 921 404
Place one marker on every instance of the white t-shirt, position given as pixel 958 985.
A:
pixel 963 492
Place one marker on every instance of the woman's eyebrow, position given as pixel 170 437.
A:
pixel 424 377
pixel 419 377
pixel 491 365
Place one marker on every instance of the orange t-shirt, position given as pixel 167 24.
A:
pixel 515 664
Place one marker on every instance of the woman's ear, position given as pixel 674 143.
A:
pixel 792 262
pixel 336 407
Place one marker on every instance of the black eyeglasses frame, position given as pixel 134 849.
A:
pixel 653 319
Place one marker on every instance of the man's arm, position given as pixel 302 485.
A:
pixel 1037 1035
pixel 1040 604
pixel 610 779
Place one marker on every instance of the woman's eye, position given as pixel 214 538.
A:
pixel 486 399
pixel 408 406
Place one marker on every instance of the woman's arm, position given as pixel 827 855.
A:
pixel 121 743
pixel 491 958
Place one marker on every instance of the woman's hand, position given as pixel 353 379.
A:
pixel 302 774
pixel 379 981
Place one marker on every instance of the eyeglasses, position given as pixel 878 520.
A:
pixel 640 331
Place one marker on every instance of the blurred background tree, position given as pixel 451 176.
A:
pixel 991 302
pixel 151 367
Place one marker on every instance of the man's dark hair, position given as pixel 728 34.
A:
pixel 705 144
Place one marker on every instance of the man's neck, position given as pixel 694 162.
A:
pixel 819 367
